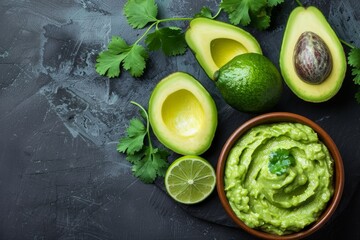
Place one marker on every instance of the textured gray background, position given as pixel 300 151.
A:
pixel 60 174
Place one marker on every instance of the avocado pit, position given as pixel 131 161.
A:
pixel 312 58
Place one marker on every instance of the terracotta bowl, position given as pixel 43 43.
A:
pixel 323 136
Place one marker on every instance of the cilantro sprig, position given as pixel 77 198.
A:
pixel 133 57
pixel 148 162
pixel 354 62
pixel 256 13
pixel 280 160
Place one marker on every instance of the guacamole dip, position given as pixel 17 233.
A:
pixel 279 203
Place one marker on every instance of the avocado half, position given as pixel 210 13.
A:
pixel 310 19
pixel 182 114
pixel 215 43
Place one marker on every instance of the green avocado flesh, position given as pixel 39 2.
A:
pixel 182 114
pixel 311 22
pixel 279 204
pixel 215 43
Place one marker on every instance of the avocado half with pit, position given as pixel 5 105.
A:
pixel 312 59
pixel 183 114
pixel 215 43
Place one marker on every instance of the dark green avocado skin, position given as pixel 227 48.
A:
pixel 245 75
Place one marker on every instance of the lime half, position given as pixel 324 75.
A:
pixel 190 179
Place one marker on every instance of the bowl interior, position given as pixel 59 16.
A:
pixel 323 136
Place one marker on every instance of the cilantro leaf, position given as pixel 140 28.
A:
pixel 143 167
pixel 280 160
pixel 273 3
pixel 135 61
pixel 144 170
pixel 356 73
pixel 160 156
pixel 254 12
pixel 117 45
pixel 136 128
pixel 261 20
pixel 140 12
pixel 357 96
pixel 148 162
pixel 354 57
pixel 354 62
pixel 133 58
pixel 134 158
pixel 239 10
pixel 205 12
pixel 170 39
pixel 151 165
pixel 130 145
pixel 108 64
pixel 134 140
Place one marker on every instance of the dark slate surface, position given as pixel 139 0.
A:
pixel 60 174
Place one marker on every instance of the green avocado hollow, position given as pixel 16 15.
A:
pixel 215 43
pixel 182 114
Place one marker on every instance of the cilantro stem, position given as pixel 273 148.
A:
pixel 346 43
pixel 157 22
pixel 217 14
pixel 147 121
pixel 145 33
pixel 299 3
pixel 174 19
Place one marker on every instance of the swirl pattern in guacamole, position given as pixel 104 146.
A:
pixel 279 204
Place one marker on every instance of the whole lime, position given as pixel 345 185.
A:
pixel 249 82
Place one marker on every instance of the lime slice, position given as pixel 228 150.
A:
pixel 190 179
